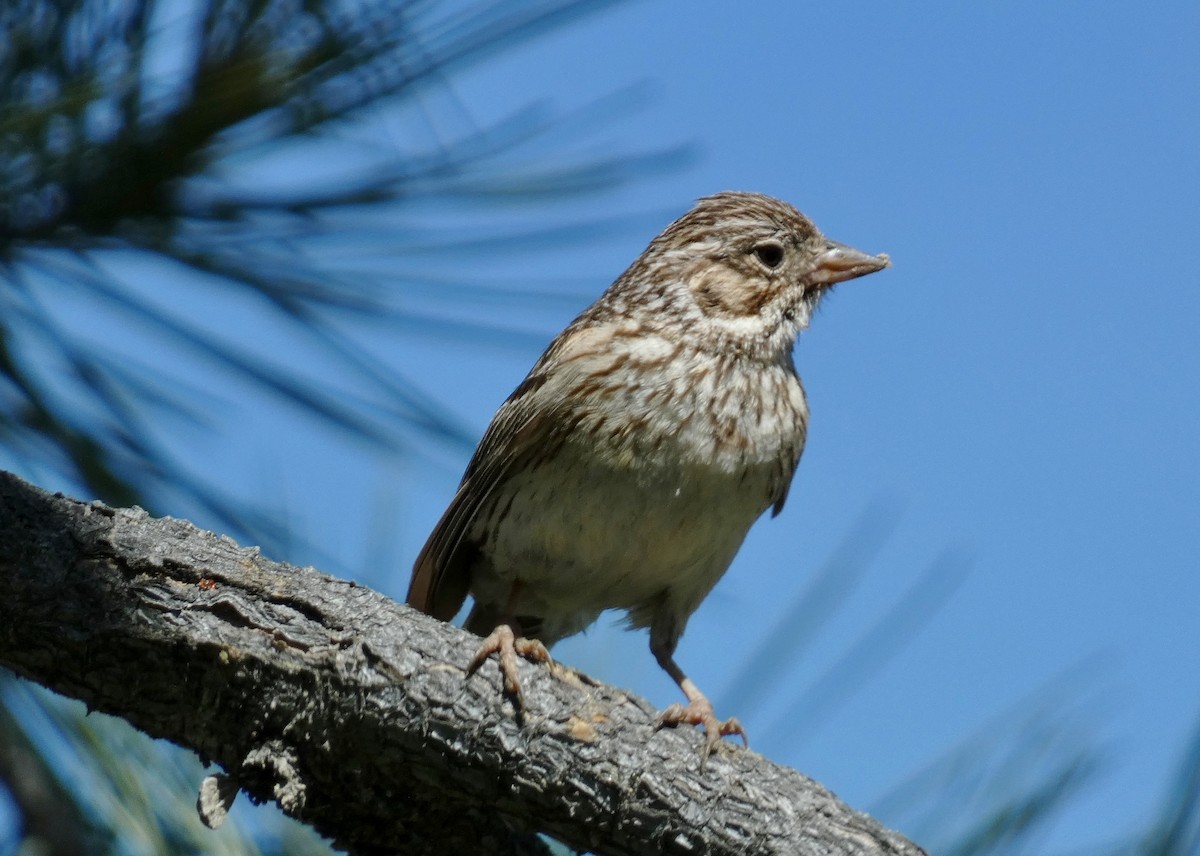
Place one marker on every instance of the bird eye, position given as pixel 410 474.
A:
pixel 770 254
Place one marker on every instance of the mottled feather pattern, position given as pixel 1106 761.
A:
pixel 626 469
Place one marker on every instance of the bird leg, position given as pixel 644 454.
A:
pixel 699 710
pixel 507 644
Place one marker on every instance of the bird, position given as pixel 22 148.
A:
pixel 627 467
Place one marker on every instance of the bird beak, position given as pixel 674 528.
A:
pixel 838 263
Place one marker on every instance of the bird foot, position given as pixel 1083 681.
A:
pixel 699 711
pixel 507 646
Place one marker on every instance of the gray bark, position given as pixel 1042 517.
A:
pixel 354 713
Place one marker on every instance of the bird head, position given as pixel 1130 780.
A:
pixel 751 268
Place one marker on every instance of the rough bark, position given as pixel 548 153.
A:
pixel 353 712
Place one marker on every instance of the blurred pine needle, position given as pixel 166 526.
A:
pixel 169 133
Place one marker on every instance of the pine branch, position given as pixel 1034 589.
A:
pixel 352 713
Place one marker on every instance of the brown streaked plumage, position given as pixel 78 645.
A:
pixel 626 469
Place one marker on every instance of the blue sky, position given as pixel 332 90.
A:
pixel 1016 400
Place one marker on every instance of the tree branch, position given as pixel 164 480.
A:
pixel 354 713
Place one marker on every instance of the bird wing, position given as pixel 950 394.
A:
pixel 781 481
pixel 529 428
pixel 523 431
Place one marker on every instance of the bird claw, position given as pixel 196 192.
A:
pixel 507 646
pixel 700 712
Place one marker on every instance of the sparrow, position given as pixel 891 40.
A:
pixel 627 467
